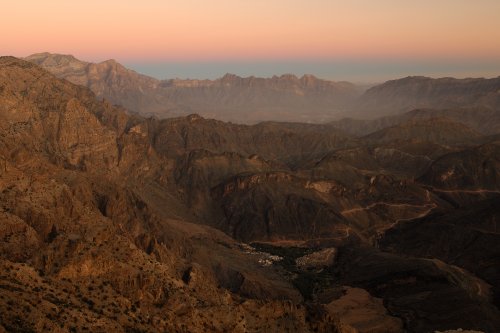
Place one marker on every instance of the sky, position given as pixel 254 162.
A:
pixel 357 40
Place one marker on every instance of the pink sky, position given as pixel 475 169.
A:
pixel 198 30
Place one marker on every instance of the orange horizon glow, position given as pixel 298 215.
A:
pixel 274 29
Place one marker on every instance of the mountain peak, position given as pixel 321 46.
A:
pixel 194 117
pixel 113 65
pixel 47 58
pixel 230 77
pixel 110 62
pixel 288 77
pixel 308 77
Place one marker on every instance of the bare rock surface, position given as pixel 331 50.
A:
pixel 361 313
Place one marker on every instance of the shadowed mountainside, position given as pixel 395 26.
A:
pixel 483 120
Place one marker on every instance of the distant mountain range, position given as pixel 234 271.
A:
pixel 283 98
pixel 415 92
pixel 230 98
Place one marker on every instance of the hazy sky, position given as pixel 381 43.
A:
pixel 353 39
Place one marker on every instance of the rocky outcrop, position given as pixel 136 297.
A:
pixel 405 283
pixel 358 312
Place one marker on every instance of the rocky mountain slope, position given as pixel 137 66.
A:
pixel 468 239
pixel 116 222
pixel 437 130
pixel 416 92
pixel 83 250
pixel 475 168
pixel 481 119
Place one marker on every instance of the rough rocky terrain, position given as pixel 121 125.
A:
pixel 116 222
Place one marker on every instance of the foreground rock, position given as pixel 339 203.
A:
pixel 358 312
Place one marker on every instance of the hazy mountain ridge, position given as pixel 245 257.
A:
pixel 283 98
pixel 417 92
pixel 230 98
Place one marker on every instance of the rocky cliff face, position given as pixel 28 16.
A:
pixel 53 117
